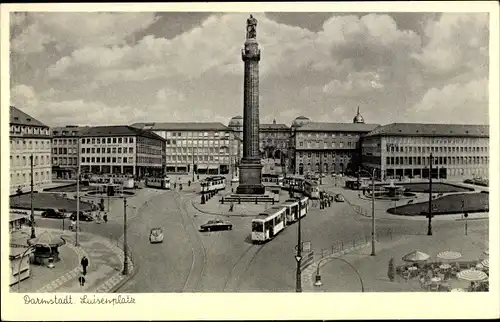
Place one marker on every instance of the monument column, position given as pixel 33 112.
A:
pixel 250 166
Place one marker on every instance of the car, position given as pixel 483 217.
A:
pixel 235 180
pixel 216 224
pixel 339 198
pixel 156 235
pixel 53 213
pixel 84 216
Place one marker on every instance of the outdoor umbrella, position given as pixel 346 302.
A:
pixel 415 256
pixel 472 275
pixel 449 255
pixel 486 263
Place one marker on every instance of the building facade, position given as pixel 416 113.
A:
pixel 196 148
pixel 65 151
pixel 29 138
pixel 121 149
pixel 403 150
pixel 326 148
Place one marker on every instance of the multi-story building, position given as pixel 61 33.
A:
pixel 403 150
pixel 327 147
pixel 29 138
pixel 65 151
pixel 274 140
pixel 197 148
pixel 121 149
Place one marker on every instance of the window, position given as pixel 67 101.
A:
pixel 83 160
pixel 93 159
pixel 93 150
pixel 130 140
pixel 119 150
pixel 114 140
pixel 98 150
pixel 130 150
pixel 98 140
pixel 108 150
pixel 119 140
pixel 114 150
pixel 109 140
pixel 113 160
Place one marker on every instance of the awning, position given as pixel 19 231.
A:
pixel 202 167
pixel 213 167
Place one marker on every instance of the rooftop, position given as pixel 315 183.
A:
pixel 18 117
pixel 336 127
pixel 273 126
pixel 69 129
pixel 183 126
pixel 421 129
pixel 119 130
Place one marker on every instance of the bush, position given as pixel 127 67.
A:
pixel 391 272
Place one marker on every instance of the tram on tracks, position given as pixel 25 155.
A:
pixel 311 189
pixel 154 182
pixel 215 183
pixel 268 224
pixel 294 183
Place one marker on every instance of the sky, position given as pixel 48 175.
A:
pixel 121 68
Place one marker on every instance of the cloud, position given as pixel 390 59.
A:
pixel 79 29
pixel 356 84
pixel 167 94
pixel 23 96
pixel 454 42
pixel 456 102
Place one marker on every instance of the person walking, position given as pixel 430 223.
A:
pixel 105 217
pixel 85 263
pixel 81 279
pixel 72 226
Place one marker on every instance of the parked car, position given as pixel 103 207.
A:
pixel 53 213
pixel 339 198
pixel 156 235
pixel 84 216
pixel 216 224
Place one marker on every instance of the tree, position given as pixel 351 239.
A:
pixel 391 272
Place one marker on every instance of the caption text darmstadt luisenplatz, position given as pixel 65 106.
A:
pixel 83 299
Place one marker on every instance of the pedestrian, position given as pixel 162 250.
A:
pixel 85 263
pixel 175 185
pixel 72 226
pixel 231 207
pixel 105 217
pixel 81 279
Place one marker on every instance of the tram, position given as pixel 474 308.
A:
pixel 216 183
pixel 304 206
pixel 311 189
pixel 293 182
pixel 162 183
pixel 292 211
pixel 268 224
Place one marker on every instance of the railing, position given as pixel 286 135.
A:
pixel 350 244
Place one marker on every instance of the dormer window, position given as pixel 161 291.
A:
pixel 28 119
pixel 16 118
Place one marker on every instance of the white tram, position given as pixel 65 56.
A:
pixel 292 211
pixel 213 184
pixel 293 182
pixel 268 224
pixel 311 189
pixel 304 206
pixel 163 182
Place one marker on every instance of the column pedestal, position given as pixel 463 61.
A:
pixel 250 178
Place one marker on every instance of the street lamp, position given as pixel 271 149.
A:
pixel 125 249
pixel 372 175
pixel 298 257
pixel 32 217
pixel 429 213
pixel 318 276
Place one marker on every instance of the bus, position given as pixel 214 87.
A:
pixel 268 224
pixel 311 189
pixel 162 183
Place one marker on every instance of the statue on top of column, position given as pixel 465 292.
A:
pixel 251 28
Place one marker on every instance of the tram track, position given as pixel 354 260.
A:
pixel 234 279
pixel 196 271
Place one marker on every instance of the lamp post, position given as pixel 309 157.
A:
pixel 318 276
pixel 78 197
pixel 125 248
pixel 298 257
pixel 372 175
pixel 429 213
pixel 32 217
pixel 321 168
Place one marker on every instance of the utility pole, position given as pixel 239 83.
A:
pixel 429 214
pixel 125 249
pixel 373 213
pixel 193 161
pixel 299 255
pixel 78 196
pixel 321 168
pixel 31 201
